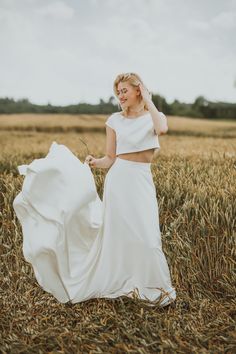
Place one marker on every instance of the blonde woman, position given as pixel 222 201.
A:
pixel 82 247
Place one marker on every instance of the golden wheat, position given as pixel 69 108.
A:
pixel 194 174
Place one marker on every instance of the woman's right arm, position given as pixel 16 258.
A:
pixel 110 157
pixel 104 162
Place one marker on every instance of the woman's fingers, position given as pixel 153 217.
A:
pixel 90 160
pixel 92 163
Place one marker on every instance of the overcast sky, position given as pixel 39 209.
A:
pixel 70 51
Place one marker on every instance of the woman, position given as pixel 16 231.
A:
pixel 81 247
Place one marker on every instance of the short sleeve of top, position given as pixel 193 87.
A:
pixel 110 121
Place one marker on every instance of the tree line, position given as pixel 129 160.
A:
pixel 200 108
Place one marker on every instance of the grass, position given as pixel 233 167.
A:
pixel 194 174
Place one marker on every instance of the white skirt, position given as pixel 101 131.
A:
pixel 81 247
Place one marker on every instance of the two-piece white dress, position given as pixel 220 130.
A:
pixel 82 247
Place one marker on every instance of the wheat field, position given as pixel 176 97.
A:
pixel 194 174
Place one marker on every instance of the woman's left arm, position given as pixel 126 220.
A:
pixel 159 120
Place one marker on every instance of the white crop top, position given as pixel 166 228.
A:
pixel 133 134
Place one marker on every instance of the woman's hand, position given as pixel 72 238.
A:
pixel 90 160
pixel 146 95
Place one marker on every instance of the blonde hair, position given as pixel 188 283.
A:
pixel 134 80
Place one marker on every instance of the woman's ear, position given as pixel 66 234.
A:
pixel 138 91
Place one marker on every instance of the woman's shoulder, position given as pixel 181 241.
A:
pixel 115 114
pixel 111 119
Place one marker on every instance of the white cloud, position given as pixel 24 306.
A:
pixel 222 21
pixel 68 51
pixel 199 25
pixel 225 20
pixel 57 10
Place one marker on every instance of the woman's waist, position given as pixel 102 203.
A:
pixel 144 156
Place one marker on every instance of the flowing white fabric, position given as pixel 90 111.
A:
pixel 82 247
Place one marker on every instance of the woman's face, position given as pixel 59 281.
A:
pixel 127 94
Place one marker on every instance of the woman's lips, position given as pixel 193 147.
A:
pixel 123 101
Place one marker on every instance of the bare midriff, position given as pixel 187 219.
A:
pixel 139 156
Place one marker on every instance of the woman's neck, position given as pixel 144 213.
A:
pixel 136 111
